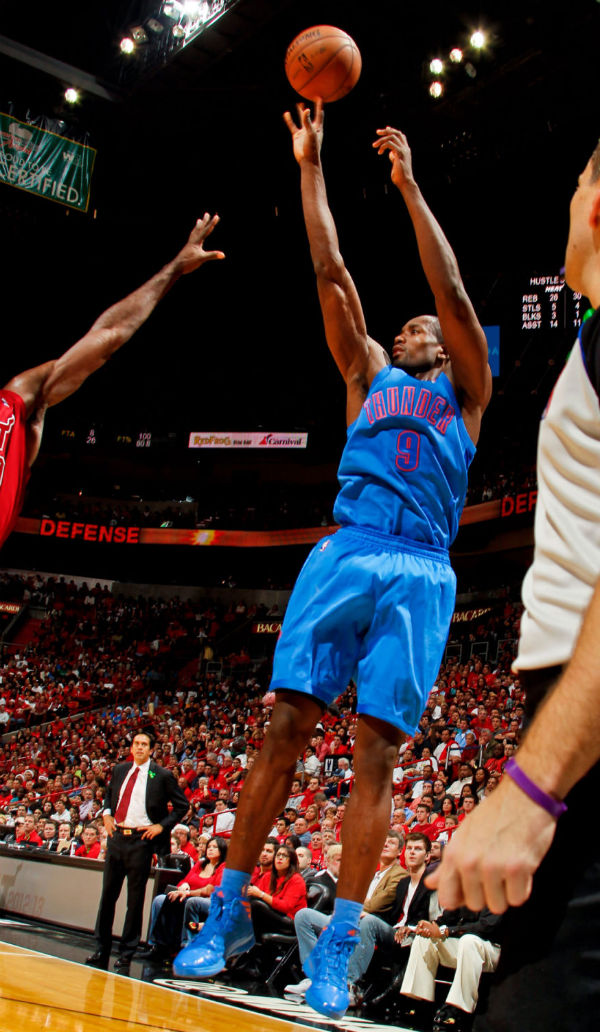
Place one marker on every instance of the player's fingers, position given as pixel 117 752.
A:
pixel 449 885
pixel 289 121
pixel 519 882
pixel 209 222
pixel 481 883
pixel 211 255
pixel 319 112
pixel 306 118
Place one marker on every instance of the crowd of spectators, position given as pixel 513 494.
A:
pixel 100 666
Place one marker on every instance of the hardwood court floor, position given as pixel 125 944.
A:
pixel 39 992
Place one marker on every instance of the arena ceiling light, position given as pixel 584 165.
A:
pixel 478 39
pixel 436 67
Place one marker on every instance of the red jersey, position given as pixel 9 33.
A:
pixel 14 471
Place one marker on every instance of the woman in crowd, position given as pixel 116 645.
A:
pixel 466 791
pixel 274 911
pixel 479 781
pixel 186 903
pixel 312 817
pixel 448 809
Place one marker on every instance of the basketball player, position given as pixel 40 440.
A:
pixel 522 850
pixel 25 398
pixel 377 597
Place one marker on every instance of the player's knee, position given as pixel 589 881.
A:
pixel 288 732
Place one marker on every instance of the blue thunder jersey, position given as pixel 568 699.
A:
pixel 404 468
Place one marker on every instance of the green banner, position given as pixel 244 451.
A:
pixel 44 163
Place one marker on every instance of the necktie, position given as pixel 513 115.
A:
pixel 123 806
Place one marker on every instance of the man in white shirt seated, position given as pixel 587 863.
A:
pixel 465 776
pixel 224 819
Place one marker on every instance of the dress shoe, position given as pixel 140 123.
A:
pixel 122 963
pixel 450 1017
pixel 98 960
pixel 155 954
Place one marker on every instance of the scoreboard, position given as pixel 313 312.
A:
pixel 547 303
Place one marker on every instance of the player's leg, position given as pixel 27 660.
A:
pixel 228 929
pixel 365 826
pixel 369 806
pixel 267 787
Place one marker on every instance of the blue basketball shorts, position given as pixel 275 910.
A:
pixel 372 607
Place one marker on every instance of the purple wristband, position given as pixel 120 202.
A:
pixel 552 806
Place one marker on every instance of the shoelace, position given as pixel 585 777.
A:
pixel 334 951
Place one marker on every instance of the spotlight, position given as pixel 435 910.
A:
pixel 471 70
pixel 436 66
pixel 138 34
pixel 172 8
pixel 71 95
pixel 127 46
pixel 477 40
pixel 155 26
pixel 456 55
pixel 436 89
pixel 178 31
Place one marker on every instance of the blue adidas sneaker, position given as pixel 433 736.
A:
pixel 327 967
pixel 228 931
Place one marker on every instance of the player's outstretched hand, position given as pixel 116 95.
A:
pixel 193 255
pixel 308 136
pixel 396 144
pixel 490 861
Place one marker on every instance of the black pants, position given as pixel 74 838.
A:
pixel 548 977
pixel 127 857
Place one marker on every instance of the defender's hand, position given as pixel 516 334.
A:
pixel 308 136
pixel 193 255
pixel 396 144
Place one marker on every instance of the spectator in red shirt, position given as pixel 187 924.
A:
pixel 90 846
pixel 312 818
pixel 468 805
pixel 273 910
pixel 182 834
pixel 186 904
pixel 421 822
pixel 261 877
pixel 28 836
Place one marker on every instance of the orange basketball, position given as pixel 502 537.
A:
pixel 323 62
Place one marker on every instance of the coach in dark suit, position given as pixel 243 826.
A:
pixel 138 822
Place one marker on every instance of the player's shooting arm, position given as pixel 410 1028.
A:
pixel 54 381
pixel 358 357
pixel 463 335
